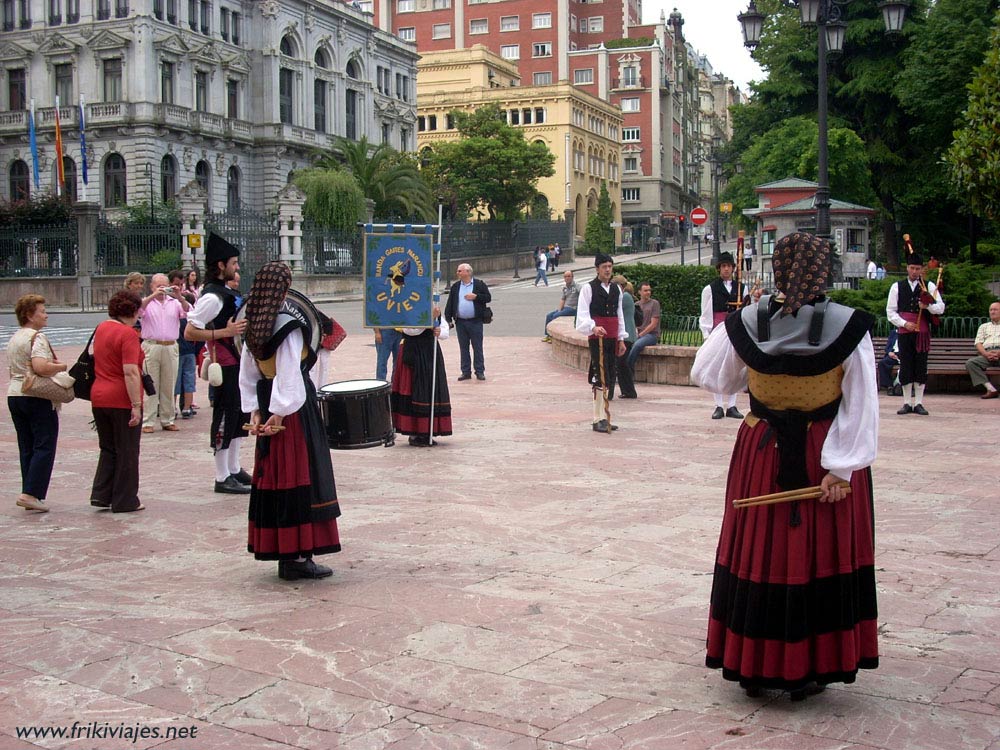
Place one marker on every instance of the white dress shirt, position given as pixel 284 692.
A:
pixel 584 323
pixel 892 305
pixel 288 392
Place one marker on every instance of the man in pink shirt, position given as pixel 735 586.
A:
pixel 161 317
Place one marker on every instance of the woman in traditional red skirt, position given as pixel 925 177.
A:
pixel 293 498
pixel 793 597
pixel 412 389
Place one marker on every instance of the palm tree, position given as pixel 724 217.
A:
pixel 390 179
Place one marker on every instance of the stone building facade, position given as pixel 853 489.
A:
pixel 232 94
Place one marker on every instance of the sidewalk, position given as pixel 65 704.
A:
pixel 527 584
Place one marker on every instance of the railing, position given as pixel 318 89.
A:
pixel 117 112
pixel 680 330
pixel 950 328
pixel 172 114
pixel 147 248
pixel 39 251
pixel 330 251
pixel 206 122
pixel 239 129
pixel 639 82
pixel 46 118
pixel 16 121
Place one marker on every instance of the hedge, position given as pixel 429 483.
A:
pixel 678 288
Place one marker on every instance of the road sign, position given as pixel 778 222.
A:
pixel 726 208
pixel 699 216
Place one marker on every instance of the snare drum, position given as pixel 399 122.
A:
pixel 356 414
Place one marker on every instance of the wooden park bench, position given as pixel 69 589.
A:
pixel 945 362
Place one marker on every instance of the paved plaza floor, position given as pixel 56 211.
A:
pixel 527 584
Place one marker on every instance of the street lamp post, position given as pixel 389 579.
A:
pixel 827 17
pixel 716 176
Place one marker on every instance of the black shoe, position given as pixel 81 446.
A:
pixel 919 409
pixel 718 413
pixel 290 570
pixel 733 412
pixel 755 691
pixel 422 441
pixel 232 486
pixel 480 377
pixel 242 477
pixel 464 377
pixel 802 693
pixel 602 426
pixel 630 395
pixel 896 390
pixel 907 409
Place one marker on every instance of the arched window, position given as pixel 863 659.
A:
pixel 168 178
pixel 322 59
pixel 114 181
pixel 203 176
pixel 287 46
pixel 352 102
pixel 233 189
pixel 69 173
pixel 20 184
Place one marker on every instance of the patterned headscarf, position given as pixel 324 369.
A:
pixel 270 286
pixel 801 269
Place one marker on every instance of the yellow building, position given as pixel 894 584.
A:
pixel 582 131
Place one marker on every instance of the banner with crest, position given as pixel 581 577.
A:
pixel 399 278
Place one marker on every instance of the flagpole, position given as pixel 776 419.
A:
pixel 435 300
pixel 83 148
pixel 33 141
pixel 59 164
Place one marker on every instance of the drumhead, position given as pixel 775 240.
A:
pixel 354 386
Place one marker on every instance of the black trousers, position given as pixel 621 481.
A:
pixel 626 377
pixel 116 483
pixel 610 370
pixel 912 364
pixel 37 427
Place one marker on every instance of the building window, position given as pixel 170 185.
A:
pixel 55 12
pixel 441 31
pixel 103 10
pixel 510 51
pixel 630 194
pixel 584 75
pixel 17 89
pixel 321 59
pixel 233 99
pixel 351 114
pixel 631 164
pixel 24 11
pixel 192 14
pixel 402 87
pixel 767 241
pixel 234 28
pixel 541 21
pixel 542 79
pixel 630 104
pixel 596 25
pixel 113 80
pixel 386 132
pixel 404 139
pixel 69 177
pixel 201 91
pixel 630 135
pixel 541 49
pixel 630 76
pixel 584 27
pixel 64 84
pixel 319 106
pixel 408 34
pixel 19 183
pixel 441 4
pixel 206 17
pixel 432 122
pixel 514 116
pixel 233 189
pixel 172 12
pixel 510 23
pixel 114 181
pixel 121 8
pixel 168 178
pixel 224 24
pixel 286 80
pixel 479 26
pixel 72 11
pixel 405 6
pixel 167 82
pixel 203 176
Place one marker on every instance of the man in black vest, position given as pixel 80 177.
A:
pixel 599 317
pixel 718 299
pixel 213 320
pixel 910 307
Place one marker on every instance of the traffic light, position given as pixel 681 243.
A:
pixel 682 222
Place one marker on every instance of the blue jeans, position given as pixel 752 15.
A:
pixel 540 276
pixel 390 345
pixel 471 332
pixel 185 375
pixel 549 317
pixel 641 343
pixel 37 426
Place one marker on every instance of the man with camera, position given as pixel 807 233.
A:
pixel 162 311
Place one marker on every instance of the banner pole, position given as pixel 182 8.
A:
pixel 435 299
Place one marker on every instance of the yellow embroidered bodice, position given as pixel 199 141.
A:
pixel 269 367
pixel 800 392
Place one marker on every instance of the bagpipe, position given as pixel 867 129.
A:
pixel 926 298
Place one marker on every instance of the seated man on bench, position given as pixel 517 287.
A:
pixel 988 346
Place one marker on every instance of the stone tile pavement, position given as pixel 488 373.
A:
pixel 527 584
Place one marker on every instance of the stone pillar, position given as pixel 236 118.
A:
pixel 87 214
pixel 370 213
pixel 290 201
pixel 569 251
pixel 192 202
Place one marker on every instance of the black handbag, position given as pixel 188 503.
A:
pixel 487 314
pixel 83 371
pixel 148 385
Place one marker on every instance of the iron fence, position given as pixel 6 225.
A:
pixel 472 239
pixel 146 248
pixel 39 251
pixel 331 251
pixel 680 330
pixel 256 236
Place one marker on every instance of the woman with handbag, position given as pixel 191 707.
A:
pixel 116 399
pixel 36 420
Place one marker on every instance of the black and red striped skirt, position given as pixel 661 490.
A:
pixel 792 604
pixel 413 392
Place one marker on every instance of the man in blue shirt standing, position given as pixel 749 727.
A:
pixel 465 310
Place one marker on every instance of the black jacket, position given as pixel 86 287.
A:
pixel 483 298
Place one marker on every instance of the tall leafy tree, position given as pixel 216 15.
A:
pixel 333 198
pixel 390 179
pixel 974 157
pixel 491 166
pixel 599 236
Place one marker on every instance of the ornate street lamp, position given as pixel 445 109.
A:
pixel 827 16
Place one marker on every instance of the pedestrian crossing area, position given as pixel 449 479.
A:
pixel 57 336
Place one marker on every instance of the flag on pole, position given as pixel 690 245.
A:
pixel 83 141
pixel 33 142
pixel 60 174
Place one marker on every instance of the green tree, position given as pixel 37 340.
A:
pixel 333 198
pixel 390 179
pixel 974 157
pixel 600 235
pixel 491 165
